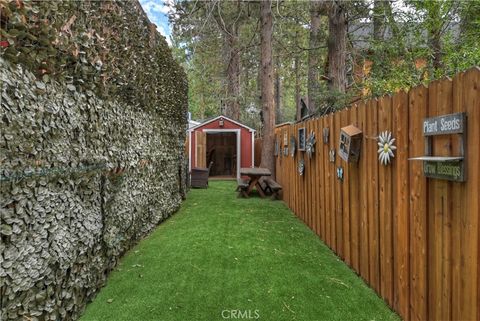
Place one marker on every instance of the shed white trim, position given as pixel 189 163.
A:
pixel 239 149
pixel 224 117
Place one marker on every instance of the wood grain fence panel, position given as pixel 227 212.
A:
pixel 459 210
pixel 470 281
pixel 439 211
pixel 443 205
pixel 363 177
pixel 306 180
pixel 328 184
pixel 418 99
pixel 313 185
pixel 345 199
pixel 401 206
pixel 333 185
pixel 318 177
pixel 338 191
pixel 385 202
pixel 373 201
pixel 354 200
pixel 414 240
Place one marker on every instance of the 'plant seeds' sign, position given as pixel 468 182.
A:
pixel 445 124
pixel 448 168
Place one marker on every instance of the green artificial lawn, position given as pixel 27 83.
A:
pixel 223 254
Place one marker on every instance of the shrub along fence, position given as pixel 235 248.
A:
pixel 413 239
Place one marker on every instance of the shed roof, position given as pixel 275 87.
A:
pixel 224 117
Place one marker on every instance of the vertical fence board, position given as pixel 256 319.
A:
pixel 354 200
pixel 327 183
pixel 418 206
pixel 385 201
pixel 333 183
pixel 373 208
pixel 363 210
pixel 459 209
pixel 339 191
pixel 345 204
pixel 319 174
pixel 470 280
pixel 401 206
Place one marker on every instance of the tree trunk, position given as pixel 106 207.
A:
pixel 268 106
pixel 337 49
pixel 435 25
pixel 298 105
pixel 233 74
pixel 278 93
pixel 313 56
pixel 379 18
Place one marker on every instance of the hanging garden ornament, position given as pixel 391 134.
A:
pixel 340 173
pixel 293 142
pixel 386 147
pixel 301 167
pixel 277 148
pixel 310 148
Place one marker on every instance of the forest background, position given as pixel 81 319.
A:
pixel 326 54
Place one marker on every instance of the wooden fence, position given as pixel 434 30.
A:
pixel 414 240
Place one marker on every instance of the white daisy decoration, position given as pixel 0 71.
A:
pixel 386 147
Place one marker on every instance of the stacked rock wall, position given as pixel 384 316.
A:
pixel 87 167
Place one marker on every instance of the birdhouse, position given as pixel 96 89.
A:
pixel 350 143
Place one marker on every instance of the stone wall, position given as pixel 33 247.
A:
pixel 90 162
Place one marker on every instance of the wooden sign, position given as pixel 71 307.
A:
pixel 445 124
pixel 448 170
pixel 451 168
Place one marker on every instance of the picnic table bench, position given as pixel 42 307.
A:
pixel 254 173
pixel 242 187
pixel 273 187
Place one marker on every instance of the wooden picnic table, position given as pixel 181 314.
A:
pixel 255 173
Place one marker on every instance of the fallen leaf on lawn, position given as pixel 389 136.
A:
pixel 339 282
pixel 109 300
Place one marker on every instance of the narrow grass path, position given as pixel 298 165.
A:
pixel 220 253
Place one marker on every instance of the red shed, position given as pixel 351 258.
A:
pixel 223 141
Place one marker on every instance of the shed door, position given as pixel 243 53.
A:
pixel 201 141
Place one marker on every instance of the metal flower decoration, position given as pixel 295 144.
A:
pixel 301 167
pixel 293 143
pixel 310 147
pixel 386 147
